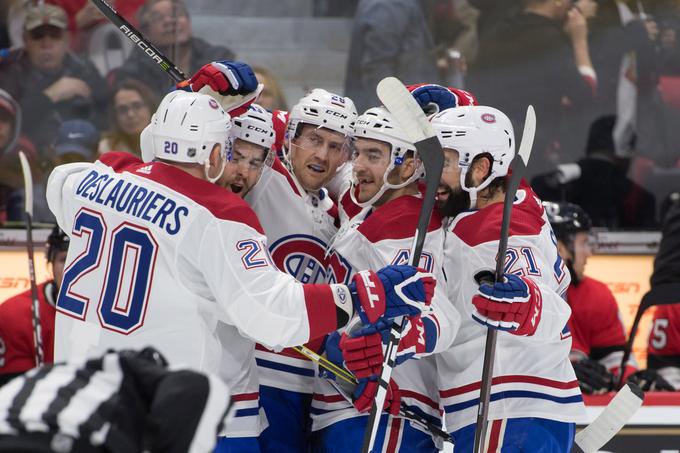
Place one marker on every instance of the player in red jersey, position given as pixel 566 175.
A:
pixel 17 348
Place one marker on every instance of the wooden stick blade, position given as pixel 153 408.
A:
pixel 399 101
pixel 28 184
pixel 528 135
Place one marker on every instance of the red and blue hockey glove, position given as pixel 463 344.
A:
pixel 434 98
pixel 513 305
pixel 232 83
pixel 363 349
pixel 365 392
pixel 391 292
pixel 228 78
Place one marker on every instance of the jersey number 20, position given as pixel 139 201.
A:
pixel 132 254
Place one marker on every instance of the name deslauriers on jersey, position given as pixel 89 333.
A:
pixel 130 198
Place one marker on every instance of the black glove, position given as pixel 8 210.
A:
pixel 593 377
pixel 650 380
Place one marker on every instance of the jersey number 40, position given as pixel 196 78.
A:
pixel 131 258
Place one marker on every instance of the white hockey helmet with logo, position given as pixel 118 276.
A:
pixel 255 126
pixel 473 131
pixel 378 124
pixel 322 109
pixel 185 128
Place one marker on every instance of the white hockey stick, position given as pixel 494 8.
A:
pixel 35 304
pixel 399 101
pixel 617 413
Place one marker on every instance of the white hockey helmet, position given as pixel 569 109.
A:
pixel 185 128
pixel 378 124
pixel 475 130
pixel 324 109
pixel 255 126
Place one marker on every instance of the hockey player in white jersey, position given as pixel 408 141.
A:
pixel 160 256
pixel 299 217
pixel 385 186
pixel 535 397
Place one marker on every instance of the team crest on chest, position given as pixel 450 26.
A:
pixel 302 256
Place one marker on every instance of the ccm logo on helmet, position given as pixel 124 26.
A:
pixel 489 118
pixel 336 114
pixel 257 129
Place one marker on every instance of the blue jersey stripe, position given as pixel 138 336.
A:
pixel 514 394
pixel 284 367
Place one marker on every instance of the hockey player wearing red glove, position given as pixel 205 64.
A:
pixel 17 345
pixel 535 397
pixel 598 335
pixel 386 168
pixel 161 256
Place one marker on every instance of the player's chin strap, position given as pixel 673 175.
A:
pixel 473 191
pixel 206 169
pixel 419 172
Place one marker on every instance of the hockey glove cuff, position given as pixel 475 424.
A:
pixel 391 292
pixel 514 305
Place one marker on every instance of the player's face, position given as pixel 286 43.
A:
pixel 450 175
pixel 371 159
pixel 581 253
pixel 46 47
pixel 58 267
pixel 244 169
pixel 131 112
pixel 167 24
pixel 316 155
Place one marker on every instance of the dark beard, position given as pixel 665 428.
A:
pixel 457 202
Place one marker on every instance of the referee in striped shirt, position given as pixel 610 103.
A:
pixel 124 401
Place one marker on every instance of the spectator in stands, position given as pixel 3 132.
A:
pixel 77 141
pixel 540 57
pixel 50 83
pixel 17 348
pixel 598 183
pixel 598 335
pixel 389 38
pixel 272 97
pixel 11 142
pixel 167 25
pixel 130 109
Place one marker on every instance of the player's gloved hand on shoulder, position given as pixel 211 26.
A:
pixel 232 83
pixel 391 292
pixel 364 394
pixel 363 349
pixel 513 305
pixel 593 377
pixel 650 380
pixel 434 98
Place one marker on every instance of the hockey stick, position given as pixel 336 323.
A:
pixel 139 40
pixel 399 101
pixel 518 166
pixel 617 413
pixel 35 304
pixel 666 294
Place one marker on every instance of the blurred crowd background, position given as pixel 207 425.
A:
pixel 603 77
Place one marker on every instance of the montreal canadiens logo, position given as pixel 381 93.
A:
pixel 213 104
pixel 489 118
pixel 304 257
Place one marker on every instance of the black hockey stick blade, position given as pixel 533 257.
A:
pixel 614 417
pixel 401 104
pixel 518 166
pixel 139 40
pixel 665 294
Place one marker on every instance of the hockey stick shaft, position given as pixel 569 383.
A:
pixel 139 40
pixel 35 303
pixel 518 165
pixel 409 115
pixel 326 364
